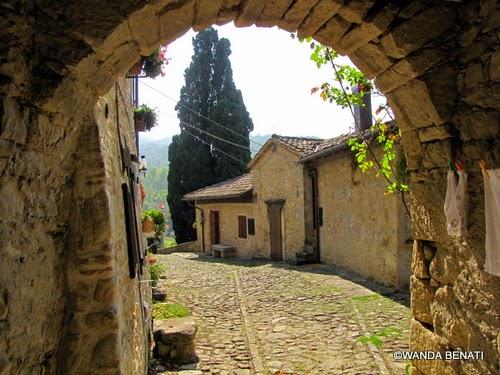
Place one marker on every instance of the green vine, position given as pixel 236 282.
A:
pixel 390 165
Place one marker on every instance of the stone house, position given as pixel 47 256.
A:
pixel 305 200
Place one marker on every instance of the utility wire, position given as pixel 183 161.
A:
pixel 198 113
pixel 212 146
pixel 216 137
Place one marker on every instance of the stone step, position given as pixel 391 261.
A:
pixel 174 341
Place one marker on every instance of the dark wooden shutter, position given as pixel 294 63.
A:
pixel 131 231
pixel 242 226
pixel 251 227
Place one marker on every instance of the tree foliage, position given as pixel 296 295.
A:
pixel 209 97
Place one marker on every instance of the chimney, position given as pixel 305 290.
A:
pixel 363 115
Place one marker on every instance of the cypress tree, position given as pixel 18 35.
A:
pixel 209 89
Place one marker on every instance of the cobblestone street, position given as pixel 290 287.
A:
pixel 264 318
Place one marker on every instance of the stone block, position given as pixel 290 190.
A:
pixel 484 96
pixel 429 250
pixel 411 143
pixel 495 66
pixel 159 295
pixel 320 14
pixel 176 20
pixel 421 297
pixel 427 196
pixel 437 154
pixel 419 265
pixel 274 11
pixel 4 364
pixel 104 354
pixel 296 15
pixel 4 306
pixel 102 320
pixel 250 10
pixel 332 31
pixel 13 125
pixel 105 291
pixel 423 339
pixel 493 22
pixel 418 30
pixel 355 11
pixel 447 319
pixel 414 101
pixel 433 133
pixel 368 30
pixel 474 75
pixel 478 125
pixel 407 69
pixel 206 15
pixel 174 340
pixel 467 37
pixel 119 36
pixel 145 28
pixel 444 267
pixel 371 59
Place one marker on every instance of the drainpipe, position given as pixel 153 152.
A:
pixel 202 222
pixel 313 173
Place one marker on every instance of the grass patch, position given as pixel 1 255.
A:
pixel 169 242
pixel 377 339
pixel 169 310
pixel 367 298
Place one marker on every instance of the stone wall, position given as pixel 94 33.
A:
pixel 436 60
pixel 278 175
pixel 228 221
pixel 360 225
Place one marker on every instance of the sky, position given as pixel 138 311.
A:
pixel 273 72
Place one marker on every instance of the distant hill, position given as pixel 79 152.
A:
pixel 156 151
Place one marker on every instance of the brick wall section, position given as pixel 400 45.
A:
pixel 437 62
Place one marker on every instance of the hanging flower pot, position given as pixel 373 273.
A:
pixel 145 118
pixel 148 225
pixel 136 69
pixel 140 122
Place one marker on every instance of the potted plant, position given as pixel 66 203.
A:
pixel 158 219
pixel 151 66
pixel 148 224
pixel 145 118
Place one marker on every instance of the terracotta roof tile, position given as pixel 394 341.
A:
pixel 234 188
pixel 302 145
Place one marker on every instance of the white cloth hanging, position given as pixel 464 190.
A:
pixel 455 203
pixel 492 217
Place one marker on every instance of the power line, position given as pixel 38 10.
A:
pixel 178 102
pixel 218 149
pixel 216 137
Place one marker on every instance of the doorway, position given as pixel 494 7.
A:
pixel 214 228
pixel 274 208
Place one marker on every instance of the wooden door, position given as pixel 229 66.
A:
pixel 275 230
pixel 214 228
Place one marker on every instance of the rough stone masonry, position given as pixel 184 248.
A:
pixel 437 62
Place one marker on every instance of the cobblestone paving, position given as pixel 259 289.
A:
pixel 272 318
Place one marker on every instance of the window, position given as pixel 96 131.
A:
pixel 242 226
pixel 251 227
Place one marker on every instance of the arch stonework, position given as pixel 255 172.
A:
pixel 438 62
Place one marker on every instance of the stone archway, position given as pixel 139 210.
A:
pixel 437 62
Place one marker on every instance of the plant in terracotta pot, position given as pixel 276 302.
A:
pixel 157 218
pixel 148 224
pixel 145 118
